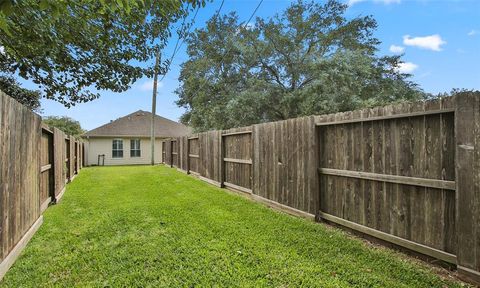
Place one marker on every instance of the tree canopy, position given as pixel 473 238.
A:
pixel 309 59
pixel 73 48
pixel 29 98
pixel 66 124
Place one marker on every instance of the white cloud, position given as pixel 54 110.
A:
pixel 389 1
pixel 432 42
pixel 250 26
pixel 148 85
pixel 406 67
pixel 396 49
pixel 353 2
pixel 472 33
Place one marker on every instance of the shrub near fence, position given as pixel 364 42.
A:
pixel 35 164
pixel 408 174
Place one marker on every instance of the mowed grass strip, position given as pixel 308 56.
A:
pixel 153 226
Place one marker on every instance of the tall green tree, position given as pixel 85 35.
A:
pixel 72 49
pixel 309 59
pixel 68 125
pixel 29 98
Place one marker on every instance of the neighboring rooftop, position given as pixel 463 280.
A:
pixel 138 124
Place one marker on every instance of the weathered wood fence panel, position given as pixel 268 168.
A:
pixel 183 153
pixel 71 158
pixel 77 157
pixel 237 155
pixel 32 175
pixel 174 153
pixel 163 151
pixel 168 152
pixel 47 175
pixel 80 155
pixel 467 136
pixel 60 161
pixel 406 173
pixel 209 155
pixel 394 175
pixel 68 158
pixel 193 155
pixel 20 199
pixel 285 163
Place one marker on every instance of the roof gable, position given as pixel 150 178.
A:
pixel 138 124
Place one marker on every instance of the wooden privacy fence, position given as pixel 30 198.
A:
pixel 408 174
pixel 35 164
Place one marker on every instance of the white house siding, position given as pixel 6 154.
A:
pixel 99 146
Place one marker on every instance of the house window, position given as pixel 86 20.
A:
pixel 117 148
pixel 135 148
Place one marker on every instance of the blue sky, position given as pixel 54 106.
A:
pixel 440 40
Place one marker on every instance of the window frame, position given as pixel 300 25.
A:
pixel 116 148
pixel 134 150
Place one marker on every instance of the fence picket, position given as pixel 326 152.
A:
pixel 387 171
pixel 32 175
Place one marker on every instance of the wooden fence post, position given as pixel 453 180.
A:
pixel 72 158
pixel 58 162
pixel 78 155
pixel 221 163
pixel 171 153
pixel 467 134
pixel 68 156
pixel 81 154
pixel 180 153
pixel 252 156
pixel 187 160
pixel 313 165
pixel 51 172
pixel 75 144
pixel 168 153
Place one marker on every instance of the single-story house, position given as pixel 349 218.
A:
pixel 126 141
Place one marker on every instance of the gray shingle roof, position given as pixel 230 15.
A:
pixel 138 124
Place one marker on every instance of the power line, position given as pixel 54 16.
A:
pixel 175 50
pixel 216 14
pixel 177 47
pixel 228 51
pixel 253 14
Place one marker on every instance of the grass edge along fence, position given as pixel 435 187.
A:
pixel 408 173
pixel 35 164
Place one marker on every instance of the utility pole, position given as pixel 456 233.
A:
pixel 154 105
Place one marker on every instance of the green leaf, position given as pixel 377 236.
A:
pixel 72 47
pixel 4 25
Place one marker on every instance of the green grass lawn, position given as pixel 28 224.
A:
pixel 153 226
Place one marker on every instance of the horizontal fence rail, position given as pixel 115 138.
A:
pixel 390 171
pixel 407 173
pixel 423 182
pixel 387 117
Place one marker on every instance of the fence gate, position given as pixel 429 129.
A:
pixel 67 158
pixel 76 158
pixel 47 180
pixel 163 152
pixel 237 160
pixel 391 174
pixel 174 153
pixel 193 155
